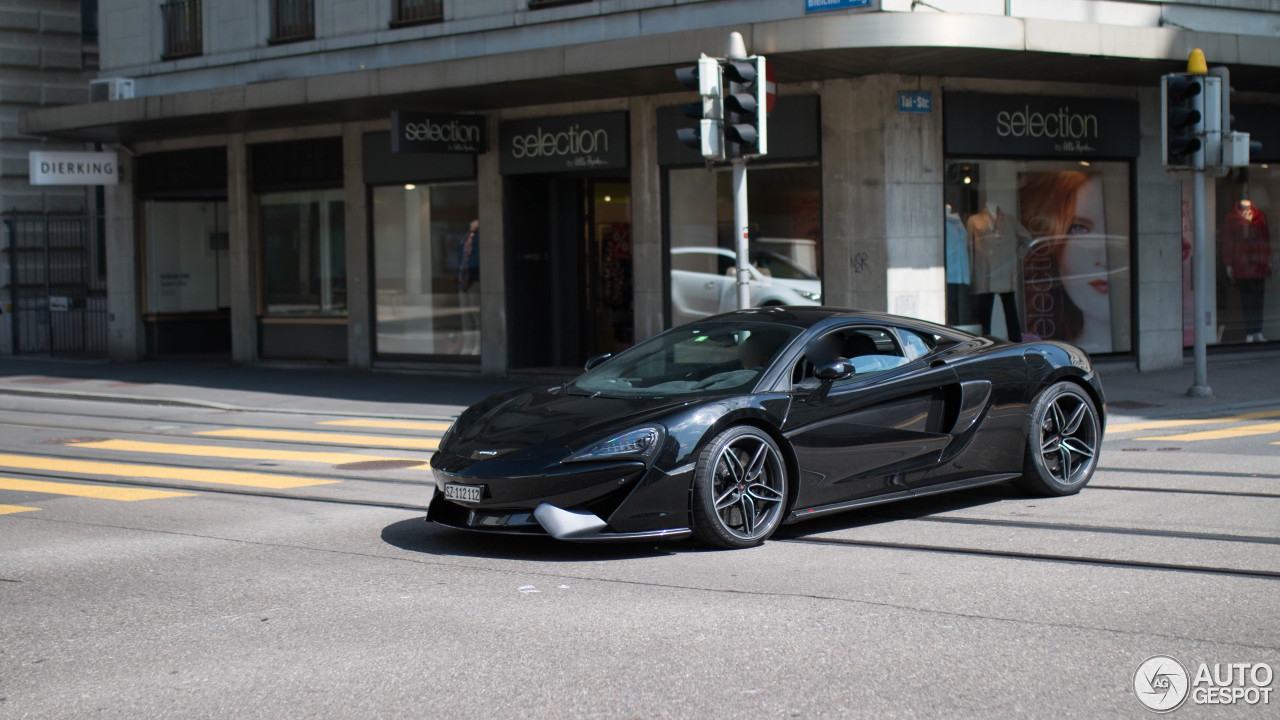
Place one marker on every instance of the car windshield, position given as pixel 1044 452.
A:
pixel 697 359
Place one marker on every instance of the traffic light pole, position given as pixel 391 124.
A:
pixel 1200 278
pixel 737 49
pixel 1199 263
pixel 741 233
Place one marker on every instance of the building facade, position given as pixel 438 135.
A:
pixel 496 185
pixel 48 54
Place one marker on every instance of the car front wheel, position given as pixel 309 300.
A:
pixel 739 489
pixel 1063 443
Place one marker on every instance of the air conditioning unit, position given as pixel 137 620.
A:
pixel 106 89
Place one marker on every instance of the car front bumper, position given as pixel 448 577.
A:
pixel 570 502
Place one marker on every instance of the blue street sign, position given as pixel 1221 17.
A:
pixel 822 5
pixel 915 102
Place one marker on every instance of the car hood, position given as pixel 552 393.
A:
pixel 550 421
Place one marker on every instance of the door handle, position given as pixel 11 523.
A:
pixel 938 363
pixel 710 286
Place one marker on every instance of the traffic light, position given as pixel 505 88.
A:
pixel 708 137
pixel 1183 120
pixel 746 126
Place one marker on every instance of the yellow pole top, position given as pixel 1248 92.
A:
pixel 1196 64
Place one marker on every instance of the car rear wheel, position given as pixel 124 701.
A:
pixel 1063 444
pixel 739 489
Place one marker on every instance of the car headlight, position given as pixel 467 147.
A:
pixel 809 294
pixel 448 434
pixel 640 443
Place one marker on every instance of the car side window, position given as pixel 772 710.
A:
pixel 871 351
pixel 916 345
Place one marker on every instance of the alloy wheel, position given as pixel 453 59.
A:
pixel 749 487
pixel 1068 438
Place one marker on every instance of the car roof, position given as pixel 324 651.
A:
pixel 806 316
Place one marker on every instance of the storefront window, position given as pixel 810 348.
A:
pixel 427 257
pixel 1039 250
pixel 186 256
pixel 1248 301
pixel 785 242
pixel 304 253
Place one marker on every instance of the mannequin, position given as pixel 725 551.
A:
pixel 1246 259
pixel 957 247
pixel 995 239
pixel 469 289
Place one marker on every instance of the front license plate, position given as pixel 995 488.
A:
pixel 463 493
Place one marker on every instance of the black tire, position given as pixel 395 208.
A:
pixel 739 489
pixel 1062 442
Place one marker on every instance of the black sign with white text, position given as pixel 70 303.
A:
pixel 420 132
pixel 988 124
pixel 569 143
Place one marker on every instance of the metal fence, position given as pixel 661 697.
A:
pixel 411 12
pixel 57 266
pixel 292 20
pixel 183 28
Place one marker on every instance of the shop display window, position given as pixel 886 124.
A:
pixel 785 242
pixel 1040 250
pixel 186 256
pixel 1248 299
pixel 304 265
pixel 426 241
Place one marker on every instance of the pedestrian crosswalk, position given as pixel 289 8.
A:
pixel 390 424
pixel 1214 428
pixel 235 453
pixel 327 438
pixel 100 492
pixel 155 461
pixel 156 472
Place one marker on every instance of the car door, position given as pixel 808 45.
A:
pixel 697 285
pixel 870 430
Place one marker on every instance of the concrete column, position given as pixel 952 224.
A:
pixel 124 320
pixel 359 317
pixel 882 198
pixel 646 219
pixel 493 279
pixel 242 260
pixel 1158 244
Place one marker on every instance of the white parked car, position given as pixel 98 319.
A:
pixel 703 282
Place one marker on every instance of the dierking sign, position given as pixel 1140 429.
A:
pixel 73 168
pixel 420 132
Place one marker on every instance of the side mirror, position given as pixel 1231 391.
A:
pixel 596 360
pixel 832 372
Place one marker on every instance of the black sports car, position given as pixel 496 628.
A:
pixel 730 426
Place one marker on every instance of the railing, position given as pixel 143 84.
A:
pixel 183 29
pixel 292 20
pixel 417 12
pixel 539 4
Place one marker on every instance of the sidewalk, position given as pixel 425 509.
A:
pixel 1240 381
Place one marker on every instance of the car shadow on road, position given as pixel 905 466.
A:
pixel 901 510
pixel 418 535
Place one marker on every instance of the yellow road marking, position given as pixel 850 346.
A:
pixel 391 424
pixel 219 451
pixel 1161 424
pixel 326 437
pixel 155 472
pixel 10 509
pixel 1223 434
pixel 101 492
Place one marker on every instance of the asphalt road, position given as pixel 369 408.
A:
pixel 184 562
